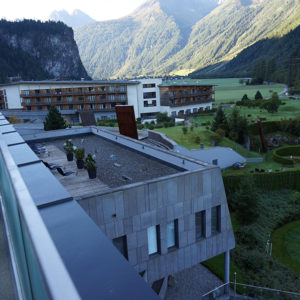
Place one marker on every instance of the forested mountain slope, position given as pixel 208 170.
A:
pixel 37 50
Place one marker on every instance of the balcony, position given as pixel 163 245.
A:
pixel 186 103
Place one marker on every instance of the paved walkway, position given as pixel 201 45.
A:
pixel 6 285
pixel 192 283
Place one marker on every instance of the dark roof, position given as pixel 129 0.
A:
pixel 87 82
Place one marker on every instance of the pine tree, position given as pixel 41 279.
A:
pixel 245 97
pixel 258 96
pixel 220 120
pixel 237 126
pixel 54 120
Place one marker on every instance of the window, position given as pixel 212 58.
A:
pixel 216 219
pixel 112 88
pixel 37 92
pixel 70 106
pixel 121 244
pixel 112 97
pixel 80 107
pixel 122 88
pixel 48 91
pixel 148 85
pixel 122 97
pixel 58 99
pixel 153 240
pixel 80 90
pixel 26 92
pixel 172 234
pixel 149 95
pixel 39 107
pixel 27 100
pixel 58 91
pixel 80 98
pixel 200 221
pixel 69 90
pixel 28 107
pixel 48 100
pixel 91 98
pixel 38 100
pixel 69 99
pixel 92 106
pixel 102 106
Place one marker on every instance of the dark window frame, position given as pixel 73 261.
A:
pixel 202 234
pixel 124 241
pixel 216 228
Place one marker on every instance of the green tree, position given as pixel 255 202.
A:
pixel 270 70
pixel 245 201
pixel 184 130
pixel 245 97
pixel 258 96
pixel 54 120
pixel 273 104
pixel 237 126
pixel 219 120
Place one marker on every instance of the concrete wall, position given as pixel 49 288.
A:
pixel 13 97
pixel 130 210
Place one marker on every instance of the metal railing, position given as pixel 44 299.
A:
pixel 248 292
pixel 39 270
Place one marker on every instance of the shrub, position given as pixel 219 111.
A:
pixel 68 146
pixel 245 97
pixel 138 121
pixel 90 162
pixel 184 130
pixel 220 132
pixel 286 151
pixel 166 124
pixel 244 201
pixel 151 127
pixel 79 154
pixel 162 117
pixel 140 126
pixel 197 139
pixel 191 128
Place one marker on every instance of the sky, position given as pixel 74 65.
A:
pixel 41 9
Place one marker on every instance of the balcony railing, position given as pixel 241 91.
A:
pixel 39 270
pixel 74 93
pixel 74 102
pixel 190 103
pixel 229 291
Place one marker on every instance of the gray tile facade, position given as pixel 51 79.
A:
pixel 130 210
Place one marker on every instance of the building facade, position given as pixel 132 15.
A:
pixel 148 96
pixel 185 99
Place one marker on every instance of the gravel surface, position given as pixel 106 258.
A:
pixel 192 283
pixel 115 163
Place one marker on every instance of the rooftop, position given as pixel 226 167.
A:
pixel 116 165
pixel 84 82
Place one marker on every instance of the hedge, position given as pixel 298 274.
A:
pixel 268 181
pixel 289 126
pixel 286 151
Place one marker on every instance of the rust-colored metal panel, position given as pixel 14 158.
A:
pixel 87 118
pixel 126 121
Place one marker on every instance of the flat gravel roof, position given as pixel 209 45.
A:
pixel 117 165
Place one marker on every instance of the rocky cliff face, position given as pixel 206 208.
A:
pixel 48 50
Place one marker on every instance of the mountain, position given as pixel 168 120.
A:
pixel 37 50
pixel 178 37
pixel 76 19
pixel 278 50
pixel 139 43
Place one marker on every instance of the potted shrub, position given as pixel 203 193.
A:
pixel 90 165
pixel 69 148
pixel 79 154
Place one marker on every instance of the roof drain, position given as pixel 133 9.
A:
pixel 126 178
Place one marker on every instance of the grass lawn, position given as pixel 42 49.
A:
pixel 286 245
pixel 188 140
pixel 290 109
pixel 267 164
